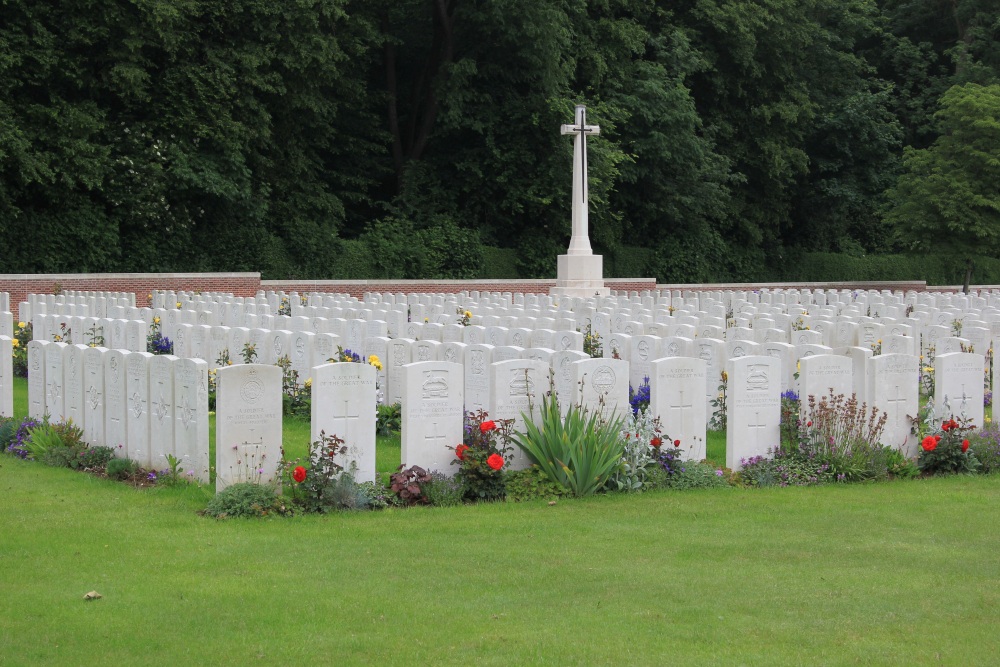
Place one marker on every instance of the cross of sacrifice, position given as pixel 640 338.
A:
pixel 579 243
pixel 348 418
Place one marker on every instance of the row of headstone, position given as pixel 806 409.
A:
pixel 144 406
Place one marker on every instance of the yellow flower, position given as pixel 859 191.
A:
pixel 427 319
pixel 928 369
pixel 178 304
pixel 467 314
pixel 309 383
pixel 229 362
pixel 149 296
pixel 20 325
pixel 375 361
pixel 156 320
pixel 15 343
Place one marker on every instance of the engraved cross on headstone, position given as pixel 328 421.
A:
pixel 348 418
pixel 432 438
pixel 681 407
pixel 579 243
pixel 756 426
pixel 894 405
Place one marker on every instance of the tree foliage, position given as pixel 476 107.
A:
pixel 329 138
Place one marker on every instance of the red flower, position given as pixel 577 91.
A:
pixel 965 445
pixel 929 443
pixel 809 423
pixel 486 427
pixel 299 474
pixel 495 461
pixel 937 438
pixel 945 426
pixel 656 442
pixel 460 452
pixel 677 443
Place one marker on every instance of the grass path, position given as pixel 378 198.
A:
pixel 901 573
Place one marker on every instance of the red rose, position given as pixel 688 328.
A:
pixel 809 423
pixel 486 427
pixel 965 445
pixel 460 452
pixel 929 443
pixel 299 474
pixel 937 438
pixel 945 426
pixel 495 461
pixel 656 442
pixel 677 443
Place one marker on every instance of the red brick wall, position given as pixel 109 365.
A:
pixel 20 285
pixel 247 284
pixel 357 288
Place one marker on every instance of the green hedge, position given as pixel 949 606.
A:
pixel 934 269
pixel 499 263
pixel 354 261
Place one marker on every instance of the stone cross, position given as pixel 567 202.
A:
pixel 579 243
pixel 580 273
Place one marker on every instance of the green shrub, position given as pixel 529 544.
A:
pixel 8 427
pixel 579 451
pixel 246 499
pixel 532 484
pixel 121 469
pixel 899 466
pixel 786 468
pixel 444 491
pixel 41 439
pixel 62 457
pixel 986 448
pixel 388 419
pixel 95 457
pixel 947 451
pixel 498 263
pixel 696 475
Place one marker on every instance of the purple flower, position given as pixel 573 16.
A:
pixel 718 473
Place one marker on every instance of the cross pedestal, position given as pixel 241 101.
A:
pixel 580 272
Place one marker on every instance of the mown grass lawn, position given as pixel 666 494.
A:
pixel 903 573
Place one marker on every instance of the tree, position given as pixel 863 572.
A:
pixel 946 200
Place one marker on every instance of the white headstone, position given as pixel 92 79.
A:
pixel 93 395
pixel 958 386
pixel 675 396
pixel 137 413
pixel 6 376
pixel 343 404
pixel 37 387
pixel 753 408
pixel 895 391
pixel 115 406
pixel 191 416
pixel 517 386
pixel 432 414
pixel 248 424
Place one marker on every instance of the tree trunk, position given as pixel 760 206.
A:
pixel 968 276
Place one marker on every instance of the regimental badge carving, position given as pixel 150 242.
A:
pixel 434 386
pixel 705 353
pixel 518 339
pixel 493 338
pixel 162 408
pixel 449 354
pixel 739 352
pixel 604 379
pixel 300 349
pixel 673 350
pixel 277 347
pixel 94 396
pixel 36 362
pixel 397 355
pixel 187 412
pixel 478 362
pixel 629 330
pixel 411 332
pixel 114 368
pixel 521 384
pixel 564 369
pixel 642 349
pixel 136 404
pixel 423 353
pixel 757 377
pixel 252 388
pixel 567 342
